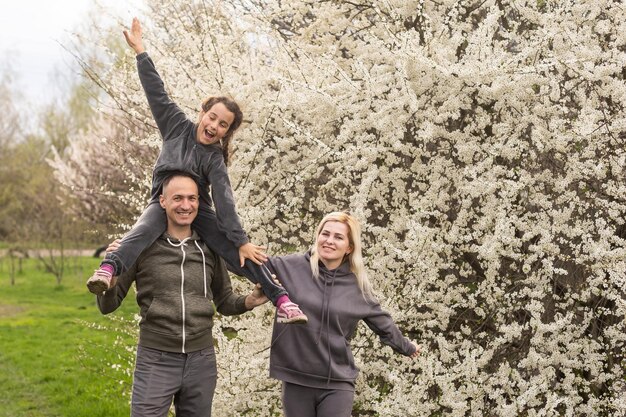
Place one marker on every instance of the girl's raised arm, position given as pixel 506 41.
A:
pixel 134 38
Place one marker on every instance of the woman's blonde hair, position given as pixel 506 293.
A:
pixel 355 257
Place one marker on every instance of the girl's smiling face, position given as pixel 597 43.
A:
pixel 214 124
pixel 333 244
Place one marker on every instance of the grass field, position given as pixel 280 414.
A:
pixel 57 352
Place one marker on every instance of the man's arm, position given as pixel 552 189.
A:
pixel 226 301
pixel 110 300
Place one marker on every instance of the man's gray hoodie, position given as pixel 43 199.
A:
pixel 177 284
pixel 318 354
pixel 182 152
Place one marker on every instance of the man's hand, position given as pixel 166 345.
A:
pixel 113 282
pixel 134 37
pixel 256 298
pixel 253 252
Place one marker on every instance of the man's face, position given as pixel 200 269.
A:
pixel 180 201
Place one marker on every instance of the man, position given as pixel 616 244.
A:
pixel 178 280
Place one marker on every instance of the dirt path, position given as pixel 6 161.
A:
pixel 10 310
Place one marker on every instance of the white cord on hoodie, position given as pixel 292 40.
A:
pixel 182 245
pixel 203 265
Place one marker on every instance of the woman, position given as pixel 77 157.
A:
pixel 315 361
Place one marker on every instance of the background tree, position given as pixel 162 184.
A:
pixel 106 171
pixel 10 135
pixel 480 142
pixel 34 208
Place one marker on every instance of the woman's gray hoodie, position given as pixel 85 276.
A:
pixel 318 354
pixel 182 152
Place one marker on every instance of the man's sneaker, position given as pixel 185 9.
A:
pixel 100 281
pixel 290 313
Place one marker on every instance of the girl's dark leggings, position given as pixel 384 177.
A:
pixel 153 222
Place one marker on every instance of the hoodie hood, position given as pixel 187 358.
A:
pixel 167 237
pixel 324 273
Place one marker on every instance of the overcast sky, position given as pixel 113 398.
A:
pixel 30 32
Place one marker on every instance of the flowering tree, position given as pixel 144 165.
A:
pixel 481 144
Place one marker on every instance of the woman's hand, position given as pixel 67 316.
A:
pixel 253 252
pixel 134 37
pixel 255 298
pixel 418 348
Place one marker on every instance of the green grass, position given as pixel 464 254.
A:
pixel 52 362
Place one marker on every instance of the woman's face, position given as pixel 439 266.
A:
pixel 333 244
pixel 214 124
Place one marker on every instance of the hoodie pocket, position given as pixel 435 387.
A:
pixel 164 316
pixel 341 357
pixel 199 314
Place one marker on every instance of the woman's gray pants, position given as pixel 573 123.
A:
pixel 301 401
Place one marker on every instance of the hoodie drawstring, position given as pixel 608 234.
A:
pixel 203 265
pixel 182 245
pixel 326 314
pixel 319 334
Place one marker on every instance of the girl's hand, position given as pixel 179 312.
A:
pixel 253 252
pixel 113 246
pixel 418 348
pixel 134 37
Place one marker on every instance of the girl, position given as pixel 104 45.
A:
pixel 201 150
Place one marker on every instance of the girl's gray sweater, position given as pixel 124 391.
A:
pixel 318 354
pixel 182 152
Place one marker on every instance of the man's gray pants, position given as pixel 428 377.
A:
pixel 189 379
